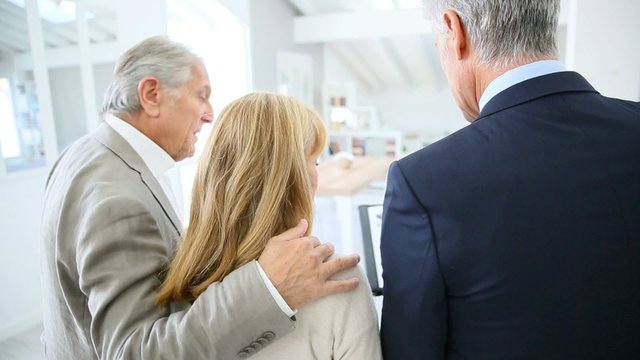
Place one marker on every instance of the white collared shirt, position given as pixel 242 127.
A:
pixel 156 159
pixel 518 75
pixel 159 162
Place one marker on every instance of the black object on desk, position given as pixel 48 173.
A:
pixel 370 222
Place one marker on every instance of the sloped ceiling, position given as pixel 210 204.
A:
pixel 15 37
pixel 403 61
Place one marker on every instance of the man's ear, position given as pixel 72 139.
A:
pixel 458 39
pixel 150 95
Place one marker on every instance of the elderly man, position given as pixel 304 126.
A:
pixel 517 237
pixel 109 229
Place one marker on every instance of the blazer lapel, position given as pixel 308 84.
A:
pixel 119 146
pixel 566 81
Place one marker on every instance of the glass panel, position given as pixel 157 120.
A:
pixel 20 124
pixel 22 140
pixel 8 130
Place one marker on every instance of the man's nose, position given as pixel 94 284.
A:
pixel 209 114
pixel 207 117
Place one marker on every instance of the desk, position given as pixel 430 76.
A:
pixel 341 183
pixel 334 180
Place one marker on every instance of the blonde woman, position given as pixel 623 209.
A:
pixel 256 179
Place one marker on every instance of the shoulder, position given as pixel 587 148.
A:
pixel 352 272
pixel 362 293
pixel 334 308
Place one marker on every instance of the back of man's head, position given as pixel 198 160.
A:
pixel 168 61
pixel 503 32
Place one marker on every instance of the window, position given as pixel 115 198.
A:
pixel 20 134
pixel 8 131
pixel 221 39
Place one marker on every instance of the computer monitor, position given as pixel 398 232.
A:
pixel 371 223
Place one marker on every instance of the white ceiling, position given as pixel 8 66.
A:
pixel 15 37
pixel 388 62
pixel 403 61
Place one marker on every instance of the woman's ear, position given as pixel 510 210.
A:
pixel 458 40
pixel 150 96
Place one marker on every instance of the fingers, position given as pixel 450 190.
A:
pixel 295 232
pixel 314 241
pixel 338 286
pixel 338 264
pixel 324 251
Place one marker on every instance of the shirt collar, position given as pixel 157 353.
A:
pixel 156 159
pixel 518 75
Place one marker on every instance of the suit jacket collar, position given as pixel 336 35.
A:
pixel 566 81
pixel 121 148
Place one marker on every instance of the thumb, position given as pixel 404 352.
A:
pixel 295 232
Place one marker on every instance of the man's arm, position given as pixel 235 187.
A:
pixel 119 253
pixel 414 313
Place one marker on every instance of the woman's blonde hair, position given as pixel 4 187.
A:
pixel 251 184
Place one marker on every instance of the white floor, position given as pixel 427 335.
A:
pixel 24 346
pixel 27 345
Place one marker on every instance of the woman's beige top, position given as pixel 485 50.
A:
pixel 341 326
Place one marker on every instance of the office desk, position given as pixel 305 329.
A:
pixel 341 183
pixel 334 180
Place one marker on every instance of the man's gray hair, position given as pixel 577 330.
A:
pixel 503 32
pixel 168 61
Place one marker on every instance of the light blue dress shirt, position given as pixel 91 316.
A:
pixel 518 75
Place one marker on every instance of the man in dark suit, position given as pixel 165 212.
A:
pixel 517 237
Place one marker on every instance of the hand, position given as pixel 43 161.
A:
pixel 297 266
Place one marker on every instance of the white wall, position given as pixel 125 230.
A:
pixel 66 90
pixel 272 31
pixel 603 45
pixel 422 110
pixel 20 210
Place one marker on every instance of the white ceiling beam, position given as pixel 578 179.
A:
pixel 102 29
pixel 69 56
pixel 397 61
pixel 358 25
pixel 63 31
pixel 364 75
pixel 359 65
pixel 305 7
pixel 12 44
pixel 15 10
pixel 15 17
pixel 20 39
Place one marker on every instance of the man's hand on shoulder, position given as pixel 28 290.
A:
pixel 297 266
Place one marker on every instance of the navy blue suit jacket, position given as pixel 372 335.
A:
pixel 518 237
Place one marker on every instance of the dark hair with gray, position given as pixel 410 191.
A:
pixel 503 32
pixel 168 61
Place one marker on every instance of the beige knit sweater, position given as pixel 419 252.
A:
pixel 341 326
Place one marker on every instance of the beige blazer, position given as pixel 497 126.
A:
pixel 108 229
